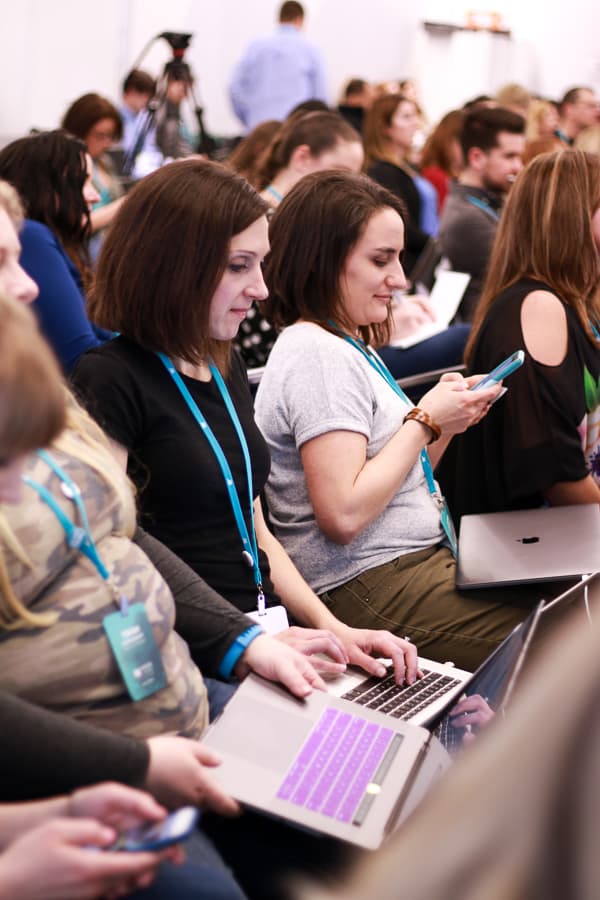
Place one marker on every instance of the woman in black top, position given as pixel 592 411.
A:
pixel 180 268
pixel 540 444
pixel 390 127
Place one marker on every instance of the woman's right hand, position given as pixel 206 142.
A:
pixel 177 775
pixel 453 406
pixel 317 643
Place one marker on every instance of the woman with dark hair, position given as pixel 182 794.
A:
pixel 541 444
pixel 390 127
pixel 96 122
pixel 179 271
pixel 306 142
pixel 51 172
pixel 351 491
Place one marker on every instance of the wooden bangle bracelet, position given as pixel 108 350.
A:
pixel 419 415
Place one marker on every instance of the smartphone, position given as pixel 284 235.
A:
pixel 177 826
pixel 502 371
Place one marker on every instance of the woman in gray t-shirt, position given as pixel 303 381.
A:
pixel 351 493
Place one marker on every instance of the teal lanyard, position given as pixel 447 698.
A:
pixel 79 537
pixel 377 363
pixel 249 544
pixel 483 206
pixel 595 331
pixel 274 192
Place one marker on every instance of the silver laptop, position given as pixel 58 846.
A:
pixel 340 768
pixel 529 545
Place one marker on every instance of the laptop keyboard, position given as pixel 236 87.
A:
pixel 336 768
pixel 398 700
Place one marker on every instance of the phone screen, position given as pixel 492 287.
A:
pixel 506 368
pixel 153 836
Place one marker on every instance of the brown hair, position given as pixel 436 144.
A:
pixel 140 81
pixel 244 158
pixel 84 112
pixel 32 394
pixel 438 147
pixel 546 233
pixel 377 120
pixel 483 124
pixel 320 131
pixel 165 254
pixel 291 10
pixel 312 232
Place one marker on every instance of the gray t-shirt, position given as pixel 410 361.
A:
pixel 314 383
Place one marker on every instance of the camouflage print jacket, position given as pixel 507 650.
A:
pixel 68 667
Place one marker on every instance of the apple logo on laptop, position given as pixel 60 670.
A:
pixel 528 540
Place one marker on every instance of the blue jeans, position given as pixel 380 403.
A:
pixel 191 882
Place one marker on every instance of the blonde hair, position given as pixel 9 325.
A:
pixel 32 409
pixel 37 410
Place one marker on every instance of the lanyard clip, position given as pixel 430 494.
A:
pixel 260 597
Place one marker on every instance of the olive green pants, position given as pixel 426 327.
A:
pixel 415 596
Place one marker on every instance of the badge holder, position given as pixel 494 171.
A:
pixel 135 650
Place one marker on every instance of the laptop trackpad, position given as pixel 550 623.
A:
pixel 254 733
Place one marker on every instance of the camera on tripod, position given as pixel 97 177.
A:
pixel 163 113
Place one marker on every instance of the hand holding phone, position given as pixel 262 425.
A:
pixel 177 827
pixel 506 368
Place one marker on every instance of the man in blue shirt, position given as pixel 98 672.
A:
pixel 277 72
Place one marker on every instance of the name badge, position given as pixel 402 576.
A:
pixel 135 651
pixel 273 620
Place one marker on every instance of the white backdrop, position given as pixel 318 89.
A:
pixel 51 51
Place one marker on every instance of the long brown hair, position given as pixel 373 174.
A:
pixel 546 233
pixel 48 170
pixel 377 120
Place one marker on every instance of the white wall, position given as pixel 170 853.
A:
pixel 51 51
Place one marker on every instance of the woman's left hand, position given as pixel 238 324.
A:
pixel 278 662
pixel 364 644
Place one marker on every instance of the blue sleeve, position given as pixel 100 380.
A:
pixel 239 88
pixel 60 307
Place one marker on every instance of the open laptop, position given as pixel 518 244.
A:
pixel 583 599
pixel 445 297
pixel 529 545
pixel 337 767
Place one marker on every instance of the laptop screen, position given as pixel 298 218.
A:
pixel 483 695
pixel 580 600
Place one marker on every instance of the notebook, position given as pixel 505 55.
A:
pixel 337 767
pixel 445 297
pixel 529 545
